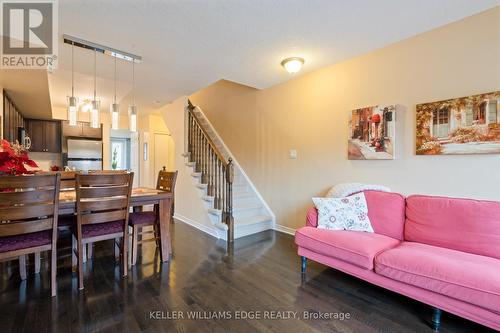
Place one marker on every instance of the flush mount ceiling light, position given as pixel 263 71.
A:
pixel 292 65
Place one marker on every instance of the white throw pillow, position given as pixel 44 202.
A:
pixel 349 213
pixel 345 189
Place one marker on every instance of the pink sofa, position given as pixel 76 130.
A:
pixel 441 251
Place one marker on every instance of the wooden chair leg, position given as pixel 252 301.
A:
pixel 22 267
pixel 172 212
pixel 170 244
pixel 156 233
pixel 74 248
pixel 37 262
pixel 53 273
pixel 84 253
pixel 124 253
pixel 80 264
pixel 90 247
pixel 117 249
pixel 135 231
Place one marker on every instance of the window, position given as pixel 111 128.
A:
pixel 440 117
pixel 120 154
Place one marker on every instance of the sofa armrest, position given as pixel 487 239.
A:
pixel 312 217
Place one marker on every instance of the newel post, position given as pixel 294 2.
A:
pixel 229 199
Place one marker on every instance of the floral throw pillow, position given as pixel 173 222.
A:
pixel 349 213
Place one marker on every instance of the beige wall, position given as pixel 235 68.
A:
pixel 310 114
pixel 189 207
pixel 149 125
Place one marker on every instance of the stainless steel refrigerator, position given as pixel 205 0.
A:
pixel 84 155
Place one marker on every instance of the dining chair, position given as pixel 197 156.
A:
pixel 68 179
pixel 28 220
pixel 166 182
pixel 140 219
pixel 107 172
pixel 102 206
pixel 89 251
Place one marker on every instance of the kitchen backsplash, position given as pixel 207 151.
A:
pixel 46 160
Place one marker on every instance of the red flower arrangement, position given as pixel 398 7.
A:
pixel 14 158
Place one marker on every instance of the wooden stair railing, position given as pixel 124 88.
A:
pixel 217 172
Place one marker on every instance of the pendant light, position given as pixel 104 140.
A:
pixel 132 109
pixel 115 109
pixel 72 107
pixel 94 112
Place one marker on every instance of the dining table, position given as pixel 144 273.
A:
pixel 140 196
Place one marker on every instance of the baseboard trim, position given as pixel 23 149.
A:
pixel 199 226
pixel 283 229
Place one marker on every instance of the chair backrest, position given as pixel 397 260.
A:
pixel 166 181
pixel 107 172
pixel 29 204
pixel 68 179
pixel 103 198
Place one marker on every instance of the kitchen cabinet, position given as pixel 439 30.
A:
pixel 45 135
pixel 34 129
pixel 12 119
pixel 71 131
pixel 91 133
pixel 81 130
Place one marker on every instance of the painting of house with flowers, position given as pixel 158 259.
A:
pixel 466 125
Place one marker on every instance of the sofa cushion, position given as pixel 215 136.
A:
pixel 385 210
pixel 355 247
pixel 464 276
pixel 460 224
pixel 312 217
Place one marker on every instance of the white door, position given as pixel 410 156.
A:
pixel 160 153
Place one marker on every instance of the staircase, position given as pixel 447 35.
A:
pixel 232 203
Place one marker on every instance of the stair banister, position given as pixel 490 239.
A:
pixel 216 171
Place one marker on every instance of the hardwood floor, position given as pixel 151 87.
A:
pixel 262 275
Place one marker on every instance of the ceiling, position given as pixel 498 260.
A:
pixel 187 45
pixel 29 90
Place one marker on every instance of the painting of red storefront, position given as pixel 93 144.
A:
pixel 372 133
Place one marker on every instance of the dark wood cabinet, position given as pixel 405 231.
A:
pixel 53 136
pixel 34 129
pixel 45 135
pixel 12 119
pixel 81 130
